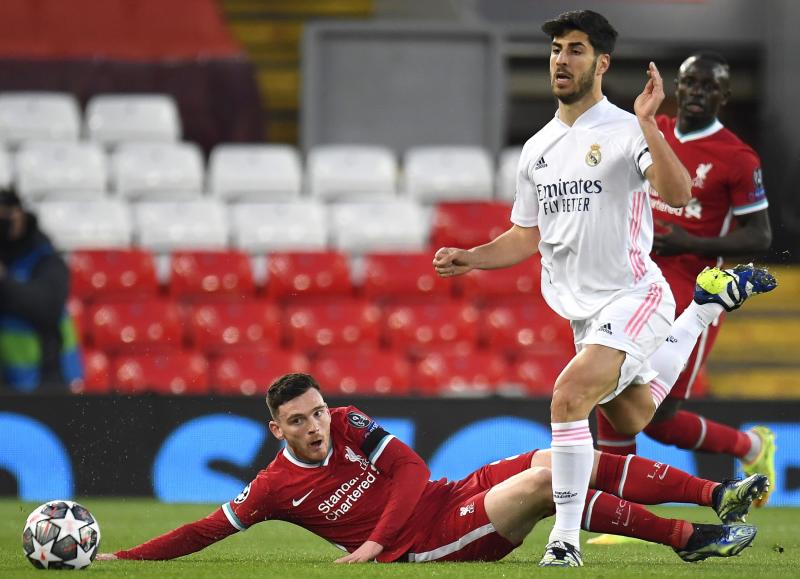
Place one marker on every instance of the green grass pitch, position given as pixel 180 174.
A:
pixel 275 549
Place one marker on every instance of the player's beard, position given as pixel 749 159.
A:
pixel 585 84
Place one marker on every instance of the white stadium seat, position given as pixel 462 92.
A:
pixel 61 170
pixel 6 170
pixel 254 172
pixel 158 171
pixel 265 227
pixel 163 226
pixel 86 224
pixel 350 172
pixel 507 173
pixel 401 225
pixel 26 116
pixel 457 173
pixel 117 118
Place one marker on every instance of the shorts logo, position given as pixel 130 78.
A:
pixel 466 510
pixel 540 164
pixel 358 420
pixel 594 156
pixel 606 328
pixel 672 339
pixel 242 495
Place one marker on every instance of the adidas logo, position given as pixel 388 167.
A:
pixel 606 328
pixel 672 339
pixel 540 164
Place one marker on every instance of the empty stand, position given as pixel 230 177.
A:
pixel 295 275
pixel 456 173
pixel 506 186
pixel 351 172
pixel 403 276
pixel 419 328
pixel 184 373
pixel 469 224
pixel 61 170
pixel 147 327
pixel 235 327
pixel 521 282
pixel 371 373
pixel 345 324
pixel 387 226
pixel 167 226
pixel 252 373
pixel 537 369
pixel 96 373
pixel 158 171
pixel 26 116
pixel 297 226
pixel 259 173
pixel 86 224
pixel 112 275
pixel 203 275
pixel 476 373
pixel 519 326
pixel 116 118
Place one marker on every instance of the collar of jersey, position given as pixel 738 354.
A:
pixel 590 116
pixel 694 135
pixel 302 464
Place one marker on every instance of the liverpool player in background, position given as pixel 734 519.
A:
pixel 346 479
pixel 727 217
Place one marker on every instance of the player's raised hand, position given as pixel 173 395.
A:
pixel 647 103
pixel 364 554
pixel 450 261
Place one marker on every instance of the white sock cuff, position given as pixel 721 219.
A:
pixel 705 313
pixel 659 391
pixel 574 433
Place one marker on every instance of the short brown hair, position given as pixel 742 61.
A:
pixel 288 387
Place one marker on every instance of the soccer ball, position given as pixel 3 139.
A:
pixel 60 535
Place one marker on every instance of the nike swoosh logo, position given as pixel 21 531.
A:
pixel 663 474
pixel 296 502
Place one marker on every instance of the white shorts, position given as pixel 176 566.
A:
pixel 636 323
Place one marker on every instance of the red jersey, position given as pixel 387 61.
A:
pixel 726 182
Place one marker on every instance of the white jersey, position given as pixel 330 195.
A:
pixel 584 187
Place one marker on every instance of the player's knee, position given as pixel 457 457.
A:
pixel 631 426
pixel 570 402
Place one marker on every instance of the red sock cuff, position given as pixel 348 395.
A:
pixel 609 473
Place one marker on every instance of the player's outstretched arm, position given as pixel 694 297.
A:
pixel 510 248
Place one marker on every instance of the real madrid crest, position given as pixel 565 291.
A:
pixel 594 156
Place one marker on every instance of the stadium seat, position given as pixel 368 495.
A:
pixel 183 373
pixel 28 116
pixel 75 225
pixel 476 373
pixel 96 374
pixel 537 369
pixel 77 311
pixel 235 327
pixel 203 275
pixel 416 328
pixel 406 277
pixel 519 326
pixel 343 323
pixel 116 118
pixel 469 224
pixel 264 227
pixel 157 171
pixel 257 173
pixel 112 275
pixel 457 173
pixel 388 226
pixel 294 275
pixel 147 326
pixel 521 283
pixel 373 372
pixel 351 172
pixel 61 170
pixel 251 373
pixel 506 187
pixel 166 226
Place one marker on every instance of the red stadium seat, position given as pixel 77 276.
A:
pixel 143 327
pixel 217 327
pixel 314 274
pixel 211 274
pixel 96 374
pixel 404 276
pixel 469 224
pixel 478 373
pixel 77 312
pixel 176 373
pixel 415 328
pixel 520 326
pixel 346 323
pixel 112 275
pixel 251 373
pixel 537 369
pixel 365 373
pixel 521 282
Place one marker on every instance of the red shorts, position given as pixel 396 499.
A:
pixel 462 530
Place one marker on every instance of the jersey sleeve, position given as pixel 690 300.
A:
pixel 640 154
pixel 253 505
pixel 370 437
pixel 525 211
pixel 747 185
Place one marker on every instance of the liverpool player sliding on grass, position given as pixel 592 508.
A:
pixel 346 479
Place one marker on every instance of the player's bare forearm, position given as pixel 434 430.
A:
pixel 749 240
pixel 513 246
pixel 667 174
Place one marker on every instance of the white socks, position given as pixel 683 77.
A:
pixel 755 447
pixel 572 453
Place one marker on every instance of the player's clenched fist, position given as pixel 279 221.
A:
pixel 451 261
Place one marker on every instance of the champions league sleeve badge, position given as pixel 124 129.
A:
pixel 594 156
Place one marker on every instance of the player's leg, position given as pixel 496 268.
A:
pixel 515 505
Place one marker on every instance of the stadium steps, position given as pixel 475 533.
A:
pixel 271 32
pixel 757 354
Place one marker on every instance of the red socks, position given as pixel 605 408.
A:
pixel 693 432
pixel 608 440
pixel 604 513
pixel 650 482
